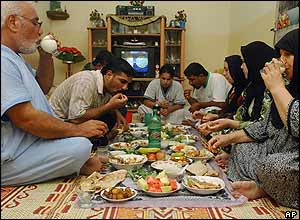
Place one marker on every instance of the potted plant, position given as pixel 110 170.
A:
pixel 95 18
pixel 181 18
pixel 137 3
pixel 70 54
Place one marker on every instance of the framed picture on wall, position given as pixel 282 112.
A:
pixel 287 18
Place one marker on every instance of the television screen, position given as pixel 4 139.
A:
pixel 139 60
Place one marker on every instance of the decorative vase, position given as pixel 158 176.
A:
pixel 182 24
pixel 172 23
pixel 101 22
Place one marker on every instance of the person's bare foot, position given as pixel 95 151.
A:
pixel 93 164
pixel 222 160
pixel 248 189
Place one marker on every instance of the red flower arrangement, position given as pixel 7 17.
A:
pixel 70 54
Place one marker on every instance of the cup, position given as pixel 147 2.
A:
pixel 84 198
pixel 49 45
pixel 281 66
pixel 102 151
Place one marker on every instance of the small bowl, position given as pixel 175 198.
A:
pixel 164 143
pixel 134 194
pixel 140 124
pixel 117 152
pixel 174 172
pixel 128 166
pixel 138 134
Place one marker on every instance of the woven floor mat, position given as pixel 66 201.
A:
pixel 57 199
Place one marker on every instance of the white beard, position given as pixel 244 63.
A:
pixel 28 50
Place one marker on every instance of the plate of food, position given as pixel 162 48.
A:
pixel 182 148
pixel 158 186
pixel 122 146
pixel 116 152
pixel 140 143
pixel 132 129
pixel 203 185
pixel 118 194
pixel 182 160
pixel 202 154
pixel 185 138
pixel 139 133
pixel 128 161
pixel 134 125
pixel 165 164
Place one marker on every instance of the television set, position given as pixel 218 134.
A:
pixel 141 60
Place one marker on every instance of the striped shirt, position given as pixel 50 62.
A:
pixel 78 93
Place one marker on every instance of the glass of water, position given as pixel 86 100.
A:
pixel 102 151
pixel 281 66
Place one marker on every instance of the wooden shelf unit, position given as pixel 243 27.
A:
pixel 168 42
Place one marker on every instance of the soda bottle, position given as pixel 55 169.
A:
pixel 154 128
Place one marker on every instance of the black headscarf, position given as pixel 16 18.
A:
pixel 240 82
pixel 290 43
pixel 255 55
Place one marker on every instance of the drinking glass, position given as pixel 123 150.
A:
pixel 281 66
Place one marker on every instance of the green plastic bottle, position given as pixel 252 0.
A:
pixel 154 128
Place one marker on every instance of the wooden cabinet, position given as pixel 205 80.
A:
pixel 174 50
pixel 97 41
pixel 149 33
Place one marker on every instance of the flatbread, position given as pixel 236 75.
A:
pixel 97 181
pixel 197 168
pixel 200 169
pixel 211 171
pixel 111 179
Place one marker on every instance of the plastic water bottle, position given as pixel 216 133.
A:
pixel 154 128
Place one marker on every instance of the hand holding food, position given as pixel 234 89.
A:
pixel 187 93
pixel 164 104
pixel 93 128
pixel 218 141
pixel 118 101
pixel 164 112
pixel 209 117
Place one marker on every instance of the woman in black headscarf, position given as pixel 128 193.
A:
pixel 239 82
pixel 266 162
pixel 236 77
pixel 255 55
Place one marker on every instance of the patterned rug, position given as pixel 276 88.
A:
pixel 57 200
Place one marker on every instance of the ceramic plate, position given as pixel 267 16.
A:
pixel 161 194
pixel 165 164
pixel 142 143
pixel 207 179
pixel 121 146
pixel 205 155
pixel 128 161
pixel 138 129
pixel 185 138
pixel 184 148
pixel 118 200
